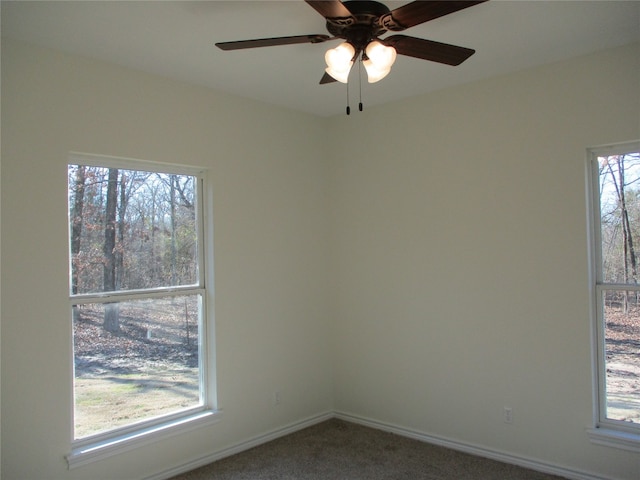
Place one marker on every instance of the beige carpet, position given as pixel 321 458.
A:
pixel 336 449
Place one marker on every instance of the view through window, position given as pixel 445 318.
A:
pixel 137 296
pixel 617 288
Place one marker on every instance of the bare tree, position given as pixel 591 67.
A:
pixel 130 230
pixel 629 259
pixel 77 222
pixel 111 312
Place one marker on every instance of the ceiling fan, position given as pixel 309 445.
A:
pixel 360 23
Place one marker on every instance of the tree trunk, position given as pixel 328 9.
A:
pixel 119 250
pixel 111 313
pixel 174 279
pixel 627 235
pixel 630 249
pixel 76 231
pixel 76 225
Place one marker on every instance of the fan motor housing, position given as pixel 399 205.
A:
pixel 365 27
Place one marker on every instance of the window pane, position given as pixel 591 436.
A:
pixel 131 229
pixel 622 358
pixel 619 177
pixel 147 368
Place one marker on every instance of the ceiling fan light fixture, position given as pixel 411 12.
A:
pixel 339 61
pixel 380 55
pixel 378 60
pixel 374 74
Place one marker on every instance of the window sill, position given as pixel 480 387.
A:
pixel 90 453
pixel 615 439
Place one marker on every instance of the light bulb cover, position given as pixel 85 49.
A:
pixel 381 56
pixel 339 61
pixel 375 74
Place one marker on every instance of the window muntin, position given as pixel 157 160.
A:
pixel 137 295
pixel 615 185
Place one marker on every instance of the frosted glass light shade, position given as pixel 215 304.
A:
pixel 374 74
pixel 381 55
pixel 379 60
pixel 339 61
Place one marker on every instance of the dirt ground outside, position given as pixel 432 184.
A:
pixel 622 344
pixel 147 369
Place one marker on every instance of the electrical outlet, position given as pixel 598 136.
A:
pixel 277 399
pixel 508 415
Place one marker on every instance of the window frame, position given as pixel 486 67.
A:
pixel 138 433
pixel 605 431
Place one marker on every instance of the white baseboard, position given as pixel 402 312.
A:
pixel 480 451
pixel 242 446
pixel 470 448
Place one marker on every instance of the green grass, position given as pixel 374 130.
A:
pixel 106 402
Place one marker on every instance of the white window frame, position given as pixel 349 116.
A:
pixel 605 431
pixel 119 440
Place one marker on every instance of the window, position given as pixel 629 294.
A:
pixel 615 186
pixel 138 299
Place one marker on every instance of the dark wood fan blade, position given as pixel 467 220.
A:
pixel 330 8
pixel 326 78
pixel 428 49
pixel 271 42
pixel 418 12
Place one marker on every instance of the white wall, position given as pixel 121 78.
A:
pixel 460 259
pixel 425 277
pixel 269 182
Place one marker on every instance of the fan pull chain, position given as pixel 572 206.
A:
pixel 360 106
pixel 360 82
pixel 348 107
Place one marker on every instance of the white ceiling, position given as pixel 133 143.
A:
pixel 176 39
